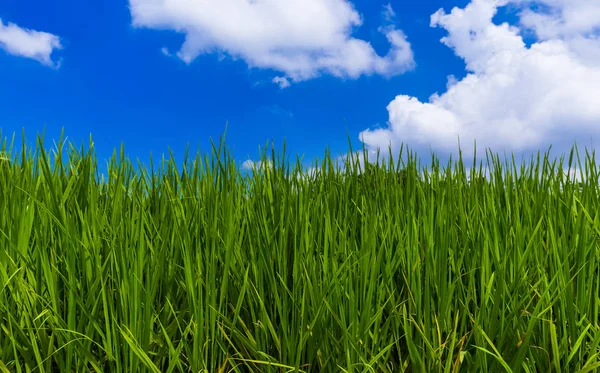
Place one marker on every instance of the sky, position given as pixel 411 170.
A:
pixel 514 76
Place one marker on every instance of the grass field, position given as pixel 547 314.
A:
pixel 197 268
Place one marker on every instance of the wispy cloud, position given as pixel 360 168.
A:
pixel 388 13
pixel 28 43
pixel 165 51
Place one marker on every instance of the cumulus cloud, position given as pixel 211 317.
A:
pixel 301 39
pixel 28 43
pixel 514 97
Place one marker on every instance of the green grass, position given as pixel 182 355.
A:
pixel 192 267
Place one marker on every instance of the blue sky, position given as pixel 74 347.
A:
pixel 115 71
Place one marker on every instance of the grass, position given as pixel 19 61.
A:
pixel 196 268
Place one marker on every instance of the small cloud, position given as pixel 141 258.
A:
pixel 165 51
pixel 28 43
pixel 388 13
pixel 250 164
pixel 283 82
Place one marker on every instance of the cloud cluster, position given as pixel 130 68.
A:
pixel 27 43
pixel 514 97
pixel 301 39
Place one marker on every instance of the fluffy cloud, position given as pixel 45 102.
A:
pixel 301 39
pixel 561 18
pixel 514 97
pixel 27 43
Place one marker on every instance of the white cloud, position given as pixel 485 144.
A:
pixel 301 39
pixel 248 164
pixel 28 43
pixel 259 165
pixel 282 81
pixel 575 174
pixel 514 97
pixel 388 13
pixel 561 18
pixel 165 52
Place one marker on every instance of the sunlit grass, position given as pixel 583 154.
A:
pixel 196 268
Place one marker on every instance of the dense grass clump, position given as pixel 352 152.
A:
pixel 196 268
